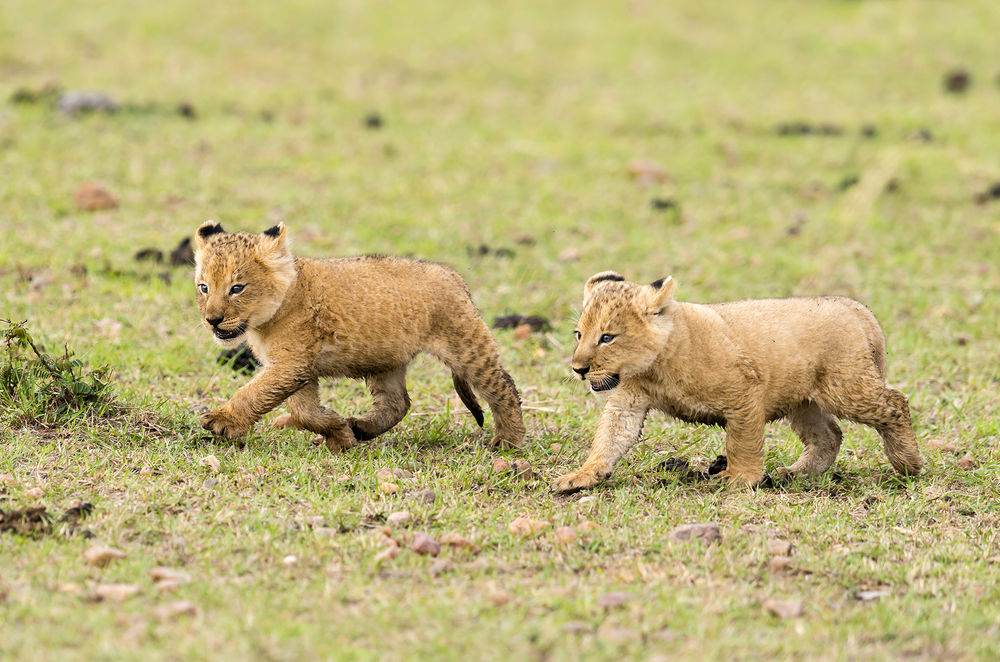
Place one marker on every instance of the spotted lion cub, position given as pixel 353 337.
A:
pixel 738 365
pixel 364 317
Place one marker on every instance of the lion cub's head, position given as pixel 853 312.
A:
pixel 241 279
pixel 622 329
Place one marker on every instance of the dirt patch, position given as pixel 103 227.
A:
pixel 513 321
pixel 36 521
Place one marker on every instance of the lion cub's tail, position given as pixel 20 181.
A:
pixel 468 397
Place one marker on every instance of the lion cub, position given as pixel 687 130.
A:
pixel 364 317
pixel 737 365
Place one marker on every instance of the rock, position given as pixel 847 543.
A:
pixel 453 539
pixel 525 526
pixel 388 488
pixel 968 462
pixel 117 592
pixel 92 197
pixel 211 462
pixel 586 526
pixel 942 444
pixel 868 596
pixel 707 532
pixel 784 608
pixel 398 518
pixel 34 493
pixel 392 473
pixel 101 555
pixel 777 547
pixel 291 559
pixel 424 544
pixel 174 610
pixel 522 332
pixel 780 563
pixel 499 598
pixel 587 501
pixel 523 470
pixel 612 600
pixel 555 448
pixel 566 535
pixel 500 465
pixel 164 574
pixel 425 496
pixel 74 102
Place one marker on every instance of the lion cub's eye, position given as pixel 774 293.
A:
pixel 203 288
pixel 578 335
pixel 236 289
pixel 605 339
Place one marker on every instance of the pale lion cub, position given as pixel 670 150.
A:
pixel 738 365
pixel 364 317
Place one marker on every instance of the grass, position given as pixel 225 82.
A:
pixel 500 121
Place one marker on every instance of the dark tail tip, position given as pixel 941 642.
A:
pixel 468 398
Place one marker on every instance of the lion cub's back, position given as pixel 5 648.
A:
pixel 808 326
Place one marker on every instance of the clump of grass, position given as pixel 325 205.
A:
pixel 42 390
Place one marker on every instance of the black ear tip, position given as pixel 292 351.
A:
pixel 657 283
pixel 207 230
pixel 273 231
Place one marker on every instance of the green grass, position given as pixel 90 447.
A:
pixel 502 120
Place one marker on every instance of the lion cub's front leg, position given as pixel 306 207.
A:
pixel 306 413
pixel 254 399
pixel 618 430
pixel 744 447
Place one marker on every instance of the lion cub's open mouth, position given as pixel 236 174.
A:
pixel 606 384
pixel 232 333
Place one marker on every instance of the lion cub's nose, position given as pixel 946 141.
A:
pixel 581 371
pixel 214 321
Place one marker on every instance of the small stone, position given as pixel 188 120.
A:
pixel 388 488
pixel 211 462
pixel 34 493
pixel 587 526
pixel 101 555
pixel 500 598
pixel 291 559
pixel 91 197
pixel 784 608
pixel 525 526
pixel 523 470
pixel 388 553
pixel 612 600
pixel 522 332
pixel 555 448
pixel 942 444
pixel 780 563
pixel 174 610
pixel 453 539
pixel 868 596
pixel 707 532
pixel 117 592
pixel 500 465
pixel 425 496
pixel 392 473
pixel 398 518
pixel 968 462
pixel 777 547
pixel 440 567
pixel 424 544
pixel 566 535
pixel 587 501
pixel 570 255
pixel 163 574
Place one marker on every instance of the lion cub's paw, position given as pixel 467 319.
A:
pixel 578 480
pixel 339 442
pixel 749 478
pixel 221 424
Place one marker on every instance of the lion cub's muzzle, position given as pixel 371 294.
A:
pixel 605 384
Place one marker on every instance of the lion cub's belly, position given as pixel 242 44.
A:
pixel 334 361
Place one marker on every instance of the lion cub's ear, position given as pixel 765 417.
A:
pixel 206 230
pixel 273 240
pixel 613 276
pixel 658 295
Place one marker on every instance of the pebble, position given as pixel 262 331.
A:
pixel 398 518
pixel 102 555
pixel 424 544
pixel 566 535
pixel 707 532
pixel 525 526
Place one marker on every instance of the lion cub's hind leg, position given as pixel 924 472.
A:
pixel 744 447
pixel 391 402
pixel 306 413
pixel 820 435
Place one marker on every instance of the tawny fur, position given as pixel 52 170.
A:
pixel 738 365
pixel 364 318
